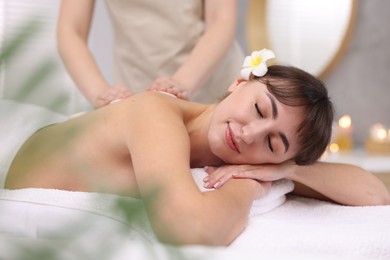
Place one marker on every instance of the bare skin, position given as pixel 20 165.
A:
pixel 148 143
pixel 83 154
pixel 92 153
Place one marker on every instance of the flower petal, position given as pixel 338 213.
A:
pixel 267 54
pixel 260 70
pixel 247 62
pixel 255 64
pixel 255 54
pixel 246 72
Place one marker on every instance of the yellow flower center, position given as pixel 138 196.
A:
pixel 256 61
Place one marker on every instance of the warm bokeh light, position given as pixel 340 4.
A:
pixel 345 121
pixel 334 148
pixel 378 132
pixel 378 140
pixel 381 133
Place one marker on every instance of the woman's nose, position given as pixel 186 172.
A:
pixel 252 132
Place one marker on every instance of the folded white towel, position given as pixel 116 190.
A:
pixel 274 198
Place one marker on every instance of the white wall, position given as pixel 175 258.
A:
pixel 55 91
pixel 101 40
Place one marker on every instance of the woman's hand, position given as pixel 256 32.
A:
pixel 170 86
pixel 111 95
pixel 218 176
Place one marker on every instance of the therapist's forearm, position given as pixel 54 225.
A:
pixel 81 66
pixel 206 55
pixel 74 21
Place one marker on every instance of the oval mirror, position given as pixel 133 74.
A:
pixel 309 34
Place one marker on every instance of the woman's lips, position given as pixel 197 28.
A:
pixel 229 135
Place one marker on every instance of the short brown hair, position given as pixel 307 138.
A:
pixel 295 87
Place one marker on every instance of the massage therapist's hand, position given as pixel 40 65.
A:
pixel 218 176
pixel 170 86
pixel 110 95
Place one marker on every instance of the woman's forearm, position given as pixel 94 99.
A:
pixel 342 183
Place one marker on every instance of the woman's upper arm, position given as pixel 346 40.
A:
pixel 160 150
pixel 75 15
pixel 159 147
pixel 158 143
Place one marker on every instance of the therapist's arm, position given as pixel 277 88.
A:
pixel 211 48
pixel 73 29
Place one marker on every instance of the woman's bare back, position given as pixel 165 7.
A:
pixel 92 152
pixel 87 153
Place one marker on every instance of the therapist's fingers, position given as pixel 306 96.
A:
pixel 170 86
pixel 160 84
pixel 179 92
pixel 111 95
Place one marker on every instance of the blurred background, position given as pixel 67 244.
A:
pixel 345 43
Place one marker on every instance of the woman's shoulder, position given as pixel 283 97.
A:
pixel 149 99
pixel 159 102
pixel 156 95
pixel 145 105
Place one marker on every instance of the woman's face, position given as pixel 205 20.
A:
pixel 251 126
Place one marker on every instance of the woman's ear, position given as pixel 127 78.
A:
pixel 235 84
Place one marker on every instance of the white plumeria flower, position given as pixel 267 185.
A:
pixel 256 63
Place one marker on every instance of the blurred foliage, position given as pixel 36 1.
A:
pixel 133 211
pixel 14 44
pixel 38 74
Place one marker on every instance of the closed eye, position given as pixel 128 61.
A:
pixel 258 110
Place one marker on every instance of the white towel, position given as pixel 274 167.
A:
pixel 274 198
pixel 322 230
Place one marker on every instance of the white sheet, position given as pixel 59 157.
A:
pixel 21 219
pixel 35 219
pixel 73 223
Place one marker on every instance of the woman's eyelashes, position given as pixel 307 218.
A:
pixel 258 110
